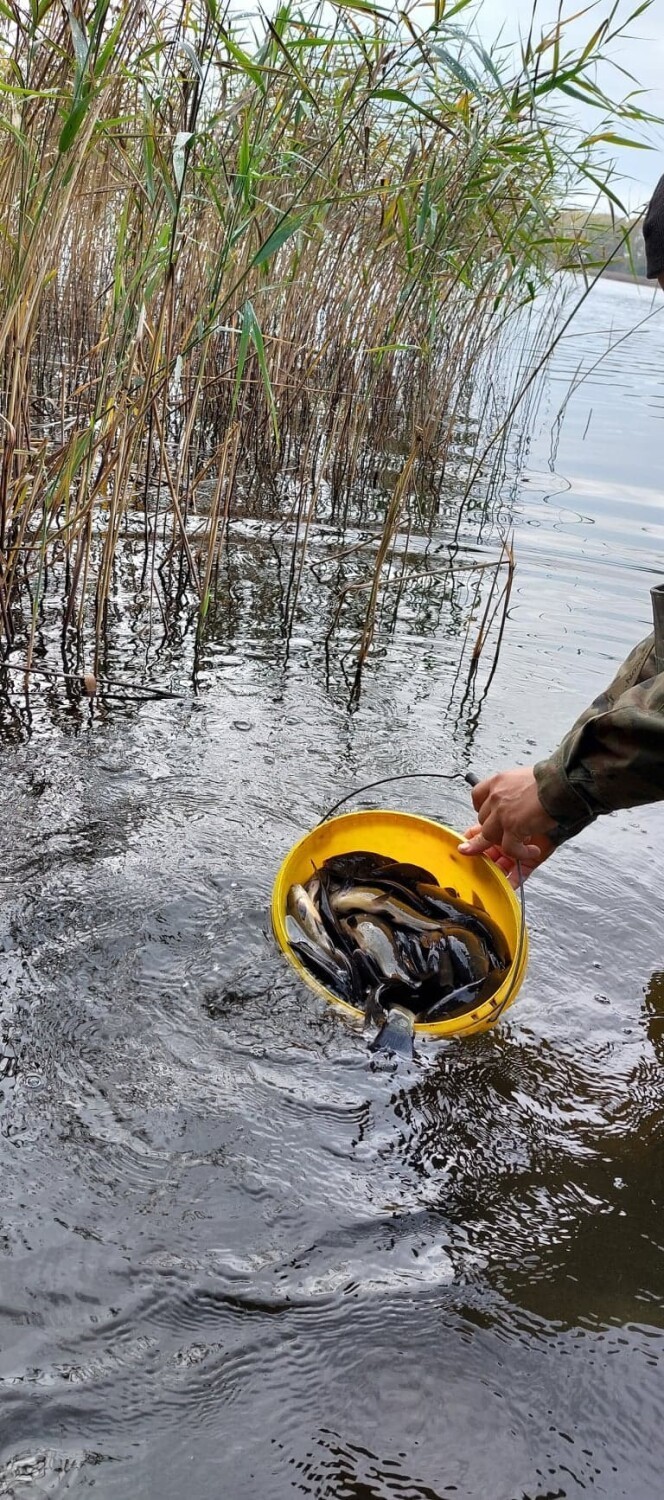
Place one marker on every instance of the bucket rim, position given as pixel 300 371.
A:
pixel 481 1017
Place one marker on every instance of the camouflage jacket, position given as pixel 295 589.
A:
pixel 614 755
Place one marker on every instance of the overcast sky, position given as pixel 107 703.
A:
pixel 643 57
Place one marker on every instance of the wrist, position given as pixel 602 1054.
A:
pixel 562 802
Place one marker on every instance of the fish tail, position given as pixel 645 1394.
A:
pixel 397 1034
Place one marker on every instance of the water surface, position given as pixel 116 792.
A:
pixel 234 1259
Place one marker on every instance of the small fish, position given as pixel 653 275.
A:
pixel 357 865
pixel 374 1015
pixel 401 880
pixel 375 939
pixel 465 996
pixel 301 907
pixel 470 960
pixel 381 904
pixel 404 874
pixel 390 890
pixel 397 1034
pixel 369 974
pixel 412 953
pixel 330 962
pixel 460 913
pixel 312 886
pixel 365 974
pixel 351 973
pixel 329 918
pixel 439 963
pixel 325 969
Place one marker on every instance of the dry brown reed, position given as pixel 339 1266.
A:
pixel 256 276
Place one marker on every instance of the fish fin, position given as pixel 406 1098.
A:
pixel 397 1034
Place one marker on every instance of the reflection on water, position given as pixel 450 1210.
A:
pixel 235 1258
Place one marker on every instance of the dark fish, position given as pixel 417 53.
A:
pixel 389 888
pixel 369 974
pixel 397 1034
pixel 402 880
pixel 466 997
pixel 297 933
pixel 439 964
pixel 329 919
pixel 426 958
pixel 412 953
pixel 365 974
pixel 460 913
pixel 358 865
pixel 470 960
pixel 333 973
pixel 346 872
pixel 374 1015
pixel 405 874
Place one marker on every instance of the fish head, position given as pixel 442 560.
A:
pixel 298 901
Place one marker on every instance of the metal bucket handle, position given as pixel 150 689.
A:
pixel 369 786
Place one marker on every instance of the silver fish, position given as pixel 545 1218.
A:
pixel 377 903
pixel 333 968
pixel 301 907
pixel 375 939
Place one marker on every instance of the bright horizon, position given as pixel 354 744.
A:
pixel 642 56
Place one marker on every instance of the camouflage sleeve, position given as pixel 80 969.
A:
pixel 613 756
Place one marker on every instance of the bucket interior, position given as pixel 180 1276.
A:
pixel 404 836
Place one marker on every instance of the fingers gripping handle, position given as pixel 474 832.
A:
pixel 474 780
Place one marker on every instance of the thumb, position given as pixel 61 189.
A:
pixel 474 842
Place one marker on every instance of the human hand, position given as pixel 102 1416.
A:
pixel 512 824
pixel 541 847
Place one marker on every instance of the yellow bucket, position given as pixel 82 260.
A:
pixel 418 841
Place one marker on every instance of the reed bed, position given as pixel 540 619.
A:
pixel 282 275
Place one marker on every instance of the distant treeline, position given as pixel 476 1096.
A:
pixel 600 239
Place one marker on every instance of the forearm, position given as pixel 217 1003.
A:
pixel 613 757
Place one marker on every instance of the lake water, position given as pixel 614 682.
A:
pixel 234 1260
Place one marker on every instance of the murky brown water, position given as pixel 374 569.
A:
pixel 233 1259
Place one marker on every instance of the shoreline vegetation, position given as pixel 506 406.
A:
pixel 292 275
pixel 609 274
pixel 609 243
